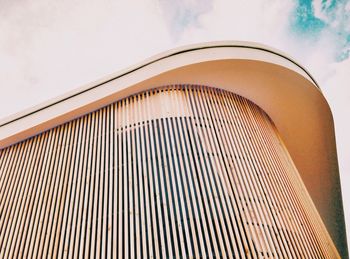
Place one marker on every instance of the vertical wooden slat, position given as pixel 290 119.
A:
pixel 291 223
pixel 216 192
pixel 186 220
pixel 28 240
pixel 90 210
pixel 65 227
pixel 160 246
pixel 50 216
pixel 293 243
pixel 120 211
pixel 24 208
pixel 221 232
pixel 26 227
pixel 51 184
pixel 10 187
pixel 261 191
pixel 60 186
pixel 96 221
pixel 153 238
pixel 108 183
pixel 66 168
pixel 179 171
pixel 14 185
pixel 84 184
pixel 38 222
pixel 195 200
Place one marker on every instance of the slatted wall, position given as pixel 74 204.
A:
pixel 177 172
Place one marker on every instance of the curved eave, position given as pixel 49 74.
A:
pixel 281 87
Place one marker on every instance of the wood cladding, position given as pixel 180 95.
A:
pixel 177 172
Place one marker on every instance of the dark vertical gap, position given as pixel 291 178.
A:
pixel 132 191
pixel 104 217
pixel 123 172
pixel 126 166
pixel 109 172
pixel 140 189
pixel 99 198
pixel 106 175
pixel 91 174
pixel 114 192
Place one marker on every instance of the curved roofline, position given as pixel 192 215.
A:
pixel 149 61
pixel 280 86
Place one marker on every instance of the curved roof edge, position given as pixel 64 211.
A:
pixel 166 54
pixel 280 86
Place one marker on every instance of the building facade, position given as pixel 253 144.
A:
pixel 221 150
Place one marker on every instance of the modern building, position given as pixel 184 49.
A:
pixel 217 150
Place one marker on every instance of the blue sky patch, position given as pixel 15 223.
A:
pixel 311 20
pixel 304 22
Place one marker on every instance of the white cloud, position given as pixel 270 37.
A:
pixel 48 49
pixel 241 20
pixel 180 14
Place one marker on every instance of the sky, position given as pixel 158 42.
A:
pixel 48 48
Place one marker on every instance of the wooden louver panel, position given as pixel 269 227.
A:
pixel 177 172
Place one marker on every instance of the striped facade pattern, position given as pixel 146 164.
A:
pixel 175 172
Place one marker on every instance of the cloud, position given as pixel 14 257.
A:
pixel 48 49
pixel 180 14
pixel 241 20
